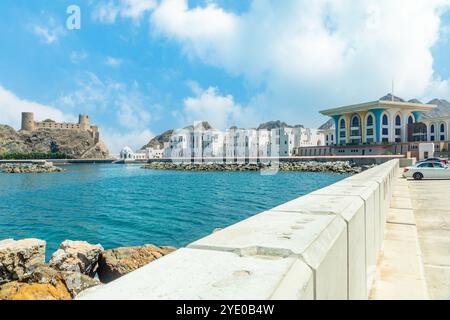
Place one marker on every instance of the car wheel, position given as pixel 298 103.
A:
pixel 418 176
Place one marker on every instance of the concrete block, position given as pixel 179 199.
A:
pixel 372 219
pixel 381 202
pixel 190 274
pixel 318 240
pixel 351 209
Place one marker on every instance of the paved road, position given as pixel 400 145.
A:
pixel 431 206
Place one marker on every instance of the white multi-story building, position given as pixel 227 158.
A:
pixel 154 153
pixel 312 138
pixel 198 143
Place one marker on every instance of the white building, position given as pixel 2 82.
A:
pixel 199 143
pixel 154 153
pixel 127 154
pixel 312 138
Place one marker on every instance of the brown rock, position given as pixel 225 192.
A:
pixel 75 282
pixel 77 256
pixel 115 263
pixel 19 258
pixel 36 291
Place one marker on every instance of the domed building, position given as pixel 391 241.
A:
pixel 127 154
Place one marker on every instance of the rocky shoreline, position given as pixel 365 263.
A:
pixel 342 167
pixel 74 267
pixel 29 168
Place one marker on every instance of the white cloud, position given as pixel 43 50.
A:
pixel 123 112
pixel 205 32
pixel 48 32
pixel 116 140
pixel 129 107
pixel 78 56
pixel 11 108
pixel 113 62
pixel 128 127
pixel 108 11
pixel 221 111
pixel 136 8
pixel 310 55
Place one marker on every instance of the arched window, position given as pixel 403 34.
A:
pixel 342 139
pixel 410 120
pixel 442 132
pixel 370 130
pixel 385 128
pixel 398 129
pixel 432 132
pixel 355 133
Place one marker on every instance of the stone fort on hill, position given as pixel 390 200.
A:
pixel 84 124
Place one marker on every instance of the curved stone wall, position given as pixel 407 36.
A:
pixel 323 245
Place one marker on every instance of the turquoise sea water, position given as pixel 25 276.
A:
pixel 124 205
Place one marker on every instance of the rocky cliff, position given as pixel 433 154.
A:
pixel 74 144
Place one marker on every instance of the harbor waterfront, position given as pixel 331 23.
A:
pixel 124 205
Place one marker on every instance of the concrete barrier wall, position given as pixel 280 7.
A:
pixel 323 245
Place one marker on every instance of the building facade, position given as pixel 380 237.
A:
pixel 382 127
pixel 127 154
pixel 84 124
pixel 375 122
pixel 237 144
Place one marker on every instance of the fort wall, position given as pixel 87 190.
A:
pixel 84 124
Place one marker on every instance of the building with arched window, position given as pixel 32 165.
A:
pixel 386 126
pixel 378 122
pixel 437 128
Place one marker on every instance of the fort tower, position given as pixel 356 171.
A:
pixel 84 122
pixel 28 123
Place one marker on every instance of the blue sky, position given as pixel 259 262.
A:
pixel 139 67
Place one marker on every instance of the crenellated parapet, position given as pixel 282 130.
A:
pixel 84 124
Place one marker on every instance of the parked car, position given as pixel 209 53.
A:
pixel 427 170
pixel 443 161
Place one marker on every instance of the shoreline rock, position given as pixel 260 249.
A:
pixel 341 167
pixel 115 263
pixel 35 291
pixel 77 256
pixel 28 168
pixel 18 258
pixel 72 269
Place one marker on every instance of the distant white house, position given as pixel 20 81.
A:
pixel 128 154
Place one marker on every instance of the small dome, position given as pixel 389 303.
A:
pixel 126 153
pixel 126 150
